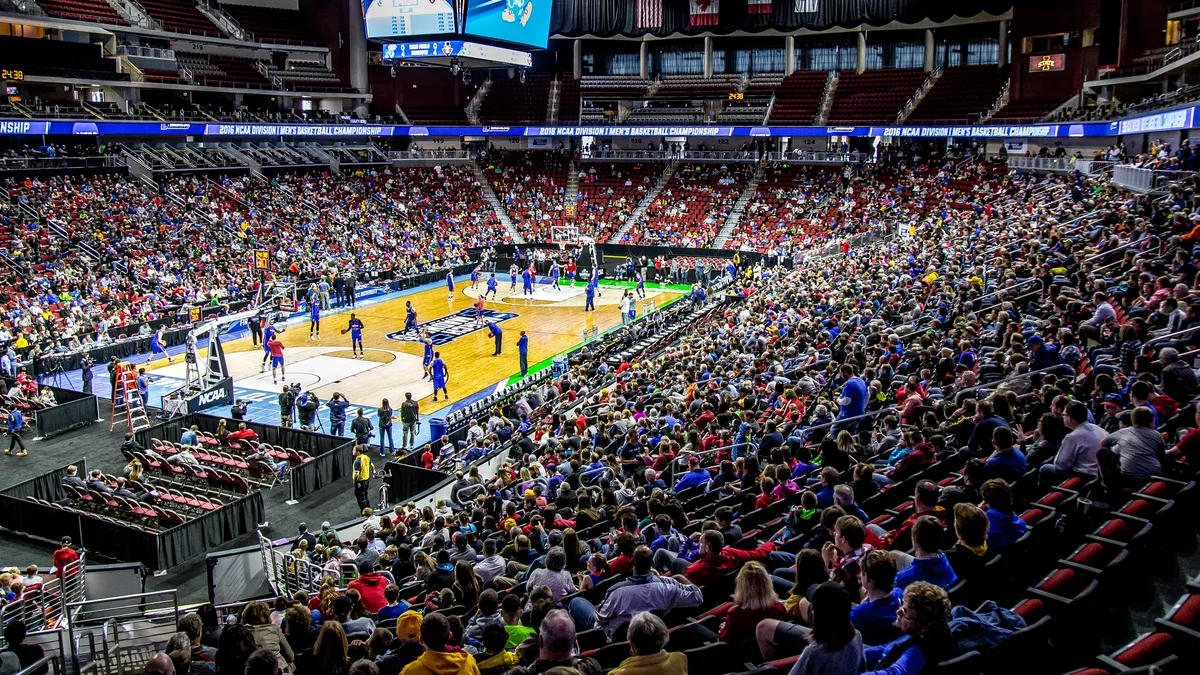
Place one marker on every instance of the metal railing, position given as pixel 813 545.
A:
pixel 1010 378
pixel 27 163
pixel 119 634
pixel 449 153
pixel 720 155
pixel 1058 164
pixel 1147 181
pixel 819 157
pixel 626 155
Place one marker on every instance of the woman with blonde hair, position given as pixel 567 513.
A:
pixel 257 617
pixel 330 654
pixel 424 564
pixel 754 600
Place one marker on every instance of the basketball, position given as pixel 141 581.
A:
pixel 345 330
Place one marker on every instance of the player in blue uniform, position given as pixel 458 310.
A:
pixel 527 281
pixel 590 293
pixel 439 374
pixel 450 285
pixel 314 319
pixel 474 277
pixel 641 284
pixel 731 269
pixel 158 345
pixel 427 357
pixel 494 331
pixel 523 353
pixel 269 332
pixel 513 271
pixel 491 286
pixel 554 276
pixel 410 321
pixel 356 328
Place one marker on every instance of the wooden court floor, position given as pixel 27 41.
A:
pixel 554 322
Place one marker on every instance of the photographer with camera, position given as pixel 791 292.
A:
pixel 306 408
pixel 337 414
pixel 287 405
pixel 85 373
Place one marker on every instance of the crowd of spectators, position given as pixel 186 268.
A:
pixel 191 243
pixel 811 476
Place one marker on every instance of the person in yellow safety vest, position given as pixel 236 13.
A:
pixel 363 471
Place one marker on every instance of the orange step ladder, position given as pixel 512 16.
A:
pixel 128 408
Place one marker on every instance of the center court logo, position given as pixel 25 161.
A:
pixel 447 329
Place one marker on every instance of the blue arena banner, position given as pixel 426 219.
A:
pixel 1183 118
pixel 447 329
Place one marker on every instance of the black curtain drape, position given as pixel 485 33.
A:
pixel 73 409
pixel 47 486
pixel 405 481
pixel 323 470
pixel 330 454
pixel 608 18
pixel 128 543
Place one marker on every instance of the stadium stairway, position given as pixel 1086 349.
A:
pixel 827 99
pixel 739 207
pixel 571 193
pixel 494 202
pixel 651 195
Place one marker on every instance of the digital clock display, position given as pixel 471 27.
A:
pixel 12 74
pixel 736 96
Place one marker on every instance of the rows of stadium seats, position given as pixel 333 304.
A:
pixel 692 206
pixel 784 209
pixel 83 10
pixel 1024 111
pixel 608 193
pixel 665 112
pixel 180 16
pixel 223 71
pixel 271 24
pixel 698 86
pixel 962 94
pixel 874 96
pixel 568 100
pixel 613 87
pixel 530 188
pixel 510 101
pixel 798 97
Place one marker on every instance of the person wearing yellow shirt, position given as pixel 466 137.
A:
pixel 435 635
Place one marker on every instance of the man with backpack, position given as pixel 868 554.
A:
pixel 410 419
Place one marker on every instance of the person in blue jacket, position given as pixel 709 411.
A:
pixel 495 332
pixel 523 353
pixel 16 422
pixel 924 616
pixel 337 413
pixel 1004 526
pixel 694 477
pixel 928 562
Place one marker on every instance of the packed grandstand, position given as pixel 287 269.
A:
pixel 923 406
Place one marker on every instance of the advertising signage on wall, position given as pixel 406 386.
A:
pixel 1172 120
pixel 1047 63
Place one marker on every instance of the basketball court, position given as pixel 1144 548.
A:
pixel 553 319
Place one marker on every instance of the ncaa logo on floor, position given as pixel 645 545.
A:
pixel 447 329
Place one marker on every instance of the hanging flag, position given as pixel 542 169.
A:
pixel 705 12
pixel 807 6
pixel 758 6
pixel 649 13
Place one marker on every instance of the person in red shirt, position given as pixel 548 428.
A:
pixel 275 347
pixel 754 600
pixel 370 586
pixel 244 433
pixel 1188 448
pixel 427 458
pixel 623 563
pixel 64 556
pixel 716 560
